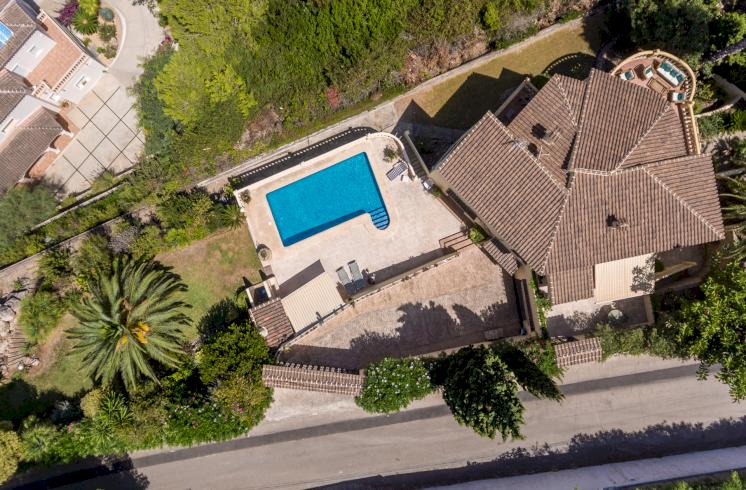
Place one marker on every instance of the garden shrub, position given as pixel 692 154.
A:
pixel 91 401
pixel 92 258
pixel 202 420
pixel 491 16
pixel 147 244
pixel 39 441
pixel 11 451
pixel 54 265
pixel 656 341
pixel 237 349
pixel 244 398
pixel 392 384
pixel 113 411
pixel 89 7
pixel 40 314
pixel 65 15
pixel 534 365
pixel 477 234
pixel 22 208
pixel 107 32
pixel 84 23
pixel 711 126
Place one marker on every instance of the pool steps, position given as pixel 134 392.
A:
pixel 380 218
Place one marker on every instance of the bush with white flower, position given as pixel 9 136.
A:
pixel 392 384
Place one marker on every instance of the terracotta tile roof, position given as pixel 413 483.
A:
pixel 491 172
pixel 503 258
pixel 664 140
pixel 26 145
pixel 615 116
pixel 12 90
pixel 312 378
pixel 571 285
pixel 271 316
pixel 18 20
pixel 632 188
pixel 578 352
pixel 60 59
pixel 549 122
pixel 652 209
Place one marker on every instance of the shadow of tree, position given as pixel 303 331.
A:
pixel 20 399
pixel 584 449
pixel 219 315
pixel 643 277
pixel 575 65
pixel 527 372
pixel 115 472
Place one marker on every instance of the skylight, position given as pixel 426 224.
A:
pixel 5 34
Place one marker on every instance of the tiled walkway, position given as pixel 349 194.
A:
pixel 108 138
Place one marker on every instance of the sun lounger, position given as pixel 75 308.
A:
pixel 345 280
pixel 677 97
pixel 397 170
pixel 627 75
pixel 648 72
pixel 357 277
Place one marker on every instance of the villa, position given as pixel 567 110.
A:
pixel 590 180
pixel 43 68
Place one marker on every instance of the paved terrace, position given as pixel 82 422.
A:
pixel 418 222
pixel 445 307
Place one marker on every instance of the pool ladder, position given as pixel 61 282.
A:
pixel 380 218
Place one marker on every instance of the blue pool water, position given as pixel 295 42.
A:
pixel 327 198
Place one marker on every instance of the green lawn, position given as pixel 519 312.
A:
pixel 460 101
pixel 214 268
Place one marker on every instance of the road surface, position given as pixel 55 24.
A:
pixel 626 415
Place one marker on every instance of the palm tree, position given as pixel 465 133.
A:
pixel 132 317
pixel 734 214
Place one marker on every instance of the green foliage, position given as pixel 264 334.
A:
pixel 10 454
pixel 656 341
pixel 40 313
pixel 54 265
pixel 477 234
pixel 202 420
pixel 491 16
pixel 244 398
pixel 726 29
pixel 113 411
pixel 711 126
pixel 107 14
pixel 392 384
pixel 39 442
pixel 89 7
pixel 90 403
pixel 236 349
pixel 711 329
pixel 678 26
pixel 85 23
pixel 93 257
pixel 147 244
pixel 534 365
pixel 107 32
pixel 482 393
pixel 22 208
pixel 132 319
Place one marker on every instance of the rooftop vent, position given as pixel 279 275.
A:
pixel 551 137
pixel 615 223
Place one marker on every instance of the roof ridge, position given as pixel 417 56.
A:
pixel 660 115
pixel 555 231
pixel 581 120
pixel 460 142
pixel 560 185
pixel 682 202
pixel 566 99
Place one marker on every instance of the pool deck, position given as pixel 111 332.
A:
pixel 418 221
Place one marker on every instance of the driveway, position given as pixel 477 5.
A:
pixel 108 137
pixel 445 307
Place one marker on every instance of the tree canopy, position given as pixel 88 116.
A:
pixel 236 349
pixel 132 319
pixel 482 393
pixel 22 208
pixel 713 329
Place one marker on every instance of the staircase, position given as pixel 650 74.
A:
pixel 456 242
pixel 380 218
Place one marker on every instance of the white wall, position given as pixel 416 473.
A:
pixel 23 110
pixel 92 71
pixel 30 54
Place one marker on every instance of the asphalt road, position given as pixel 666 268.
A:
pixel 629 416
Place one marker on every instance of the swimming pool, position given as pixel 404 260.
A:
pixel 327 198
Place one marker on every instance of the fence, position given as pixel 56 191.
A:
pixel 312 378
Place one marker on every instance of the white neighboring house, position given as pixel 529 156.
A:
pixel 43 68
